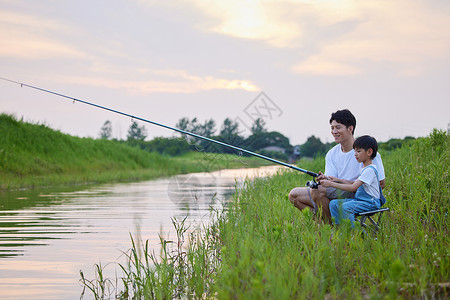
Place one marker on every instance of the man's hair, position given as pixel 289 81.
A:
pixel 366 142
pixel 344 117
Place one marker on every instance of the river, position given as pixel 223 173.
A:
pixel 48 236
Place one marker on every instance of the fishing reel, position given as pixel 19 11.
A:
pixel 313 184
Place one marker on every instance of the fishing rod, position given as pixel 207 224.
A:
pixel 312 184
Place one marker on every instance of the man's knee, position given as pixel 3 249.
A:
pixel 299 198
pixel 294 194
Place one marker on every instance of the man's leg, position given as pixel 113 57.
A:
pixel 301 199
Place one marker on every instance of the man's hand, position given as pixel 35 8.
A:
pixel 321 176
pixel 332 178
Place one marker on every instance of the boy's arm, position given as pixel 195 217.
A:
pixel 342 186
pixel 338 180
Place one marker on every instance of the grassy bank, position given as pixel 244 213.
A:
pixel 264 248
pixel 273 251
pixel 33 155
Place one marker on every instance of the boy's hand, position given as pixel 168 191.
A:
pixel 326 183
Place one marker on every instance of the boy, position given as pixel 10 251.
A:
pixel 367 186
pixel 339 163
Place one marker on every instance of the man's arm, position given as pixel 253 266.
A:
pixel 380 168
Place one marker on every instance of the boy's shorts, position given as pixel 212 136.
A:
pixel 334 193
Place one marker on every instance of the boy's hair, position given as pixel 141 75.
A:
pixel 366 142
pixel 344 117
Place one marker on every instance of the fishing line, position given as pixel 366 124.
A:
pixel 164 126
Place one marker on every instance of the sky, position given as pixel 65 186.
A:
pixel 290 62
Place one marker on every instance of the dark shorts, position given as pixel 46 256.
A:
pixel 334 193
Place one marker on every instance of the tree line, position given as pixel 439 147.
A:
pixel 272 144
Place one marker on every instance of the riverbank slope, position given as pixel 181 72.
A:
pixel 34 155
pixel 272 250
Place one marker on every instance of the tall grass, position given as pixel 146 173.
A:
pixel 34 155
pixel 184 267
pixel 262 247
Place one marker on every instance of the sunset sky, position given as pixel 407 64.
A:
pixel 387 61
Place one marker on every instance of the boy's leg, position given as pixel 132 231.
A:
pixel 334 210
pixel 337 209
pixel 349 208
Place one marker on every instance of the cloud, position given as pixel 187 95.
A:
pixel 254 20
pixel 31 37
pixel 338 38
pixel 335 37
pixel 28 37
pixel 318 65
pixel 404 34
pixel 166 81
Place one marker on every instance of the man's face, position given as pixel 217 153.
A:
pixel 340 132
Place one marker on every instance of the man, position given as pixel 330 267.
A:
pixel 340 162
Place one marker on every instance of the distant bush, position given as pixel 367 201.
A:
pixel 394 143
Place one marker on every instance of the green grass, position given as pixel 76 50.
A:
pixel 34 155
pixel 262 247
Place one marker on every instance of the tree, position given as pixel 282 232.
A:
pixel 262 140
pixel 136 133
pixel 206 129
pixel 229 134
pixel 183 124
pixel 312 147
pixel 106 131
pixel 229 128
pixel 259 126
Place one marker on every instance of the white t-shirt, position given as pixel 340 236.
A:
pixel 370 182
pixel 344 165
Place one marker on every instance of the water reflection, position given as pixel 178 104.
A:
pixel 48 236
pixel 27 221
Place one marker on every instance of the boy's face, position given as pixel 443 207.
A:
pixel 340 132
pixel 362 155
